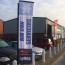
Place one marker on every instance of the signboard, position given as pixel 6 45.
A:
pixel 55 26
pixel 25 31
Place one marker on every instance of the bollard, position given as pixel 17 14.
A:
pixel 33 59
pixel 50 52
pixel 14 62
pixel 64 44
pixel 54 50
pixel 43 55
pixel 58 47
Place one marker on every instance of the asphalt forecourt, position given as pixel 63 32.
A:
pixel 60 61
pixel 51 56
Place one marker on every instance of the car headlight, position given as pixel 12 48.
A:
pixel 49 40
pixel 4 59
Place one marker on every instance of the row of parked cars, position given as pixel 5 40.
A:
pixel 8 50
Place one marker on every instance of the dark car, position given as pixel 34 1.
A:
pixel 43 43
pixel 7 54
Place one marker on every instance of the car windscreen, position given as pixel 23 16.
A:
pixel 13 44
pixel 3 43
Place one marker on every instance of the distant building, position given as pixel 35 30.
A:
pixel 41 26
pixel 11 29
pixel 1 28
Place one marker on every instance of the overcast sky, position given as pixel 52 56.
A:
pixel 52 9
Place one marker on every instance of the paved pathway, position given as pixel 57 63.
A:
pixel 60 61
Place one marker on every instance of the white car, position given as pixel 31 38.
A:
pixel 37 50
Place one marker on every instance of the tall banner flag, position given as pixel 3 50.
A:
pixel 55 27
pixel 25 31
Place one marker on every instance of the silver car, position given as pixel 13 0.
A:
pixel 37 51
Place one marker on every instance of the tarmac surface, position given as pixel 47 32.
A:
pixel 60 61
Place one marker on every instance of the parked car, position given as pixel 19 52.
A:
pixel 42 43
pixel 7 54
pixel 37 50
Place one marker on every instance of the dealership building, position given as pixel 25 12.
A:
pixel 41 26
